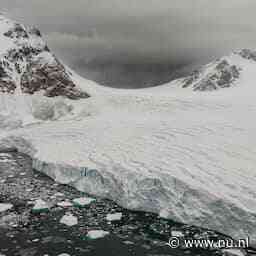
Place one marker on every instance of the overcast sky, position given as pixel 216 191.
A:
pixel 121 37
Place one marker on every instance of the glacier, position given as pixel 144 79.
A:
pixel 177 150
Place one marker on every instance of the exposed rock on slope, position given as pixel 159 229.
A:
pixel 28 66
pixel 218 75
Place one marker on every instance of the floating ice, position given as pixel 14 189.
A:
pixel 65 204
pixel 58 194
pixel 96 234
pixel 233 252
pixel 176 233
pixel 5 207
pixel 40 206
pixel 83 201
pixel 114 216
pixel 69 220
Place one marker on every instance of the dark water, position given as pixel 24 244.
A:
pixel 24 233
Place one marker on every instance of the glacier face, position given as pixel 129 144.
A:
pixel 185 155
pixel 190 158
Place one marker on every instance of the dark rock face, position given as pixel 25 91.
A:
pixel 7 85
pixel 18 31
pixel 29 65
pixel 222 76
pixel 51 78
pixel 227 74
pixel 193 77
pixel 248 54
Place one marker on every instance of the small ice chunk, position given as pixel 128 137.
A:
pixel 69 220
pixel 58 194
pixel 82 201
pixel 176 233
pixel 233 252
pixel 5 160
pixel 65 204
pixel 128 242
pixel 5 207
pixel 114 216
pixel 40 206
pixel 96 234
pixel 64 254
pixel 164 213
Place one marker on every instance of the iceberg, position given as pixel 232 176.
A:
pixel 65 204
pixel 40 206
pixel 5 207
pixel 96 234
pixel 69 220
pixel 114 216
pixel 83 201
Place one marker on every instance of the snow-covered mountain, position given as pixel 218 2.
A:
pixel 185 154
pixel 28 66
pixel 223 73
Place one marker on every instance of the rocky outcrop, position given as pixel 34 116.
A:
pixel 248 54
pixel 50 77
pixel 221 75
pixel 28 66
pixel 18 31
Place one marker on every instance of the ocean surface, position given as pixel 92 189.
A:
pixel 27 233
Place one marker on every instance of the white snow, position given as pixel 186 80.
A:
pixel 69 220
pixel 83 201
pixel 96 234
pixel 114 216
pixel 21 110
pixel 5 207
pixel 189 156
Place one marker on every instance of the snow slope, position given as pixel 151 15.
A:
pixel 185 154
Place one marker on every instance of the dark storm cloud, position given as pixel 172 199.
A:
pixel 126 35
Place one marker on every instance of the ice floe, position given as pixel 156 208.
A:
pixel 5 207
pixel 69 219
pixel 96 234
pixel 114 216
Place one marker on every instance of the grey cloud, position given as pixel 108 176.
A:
pixel 138 38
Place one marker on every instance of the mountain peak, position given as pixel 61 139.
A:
pixel 216 75
pixel 28 66
pixel 222 73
